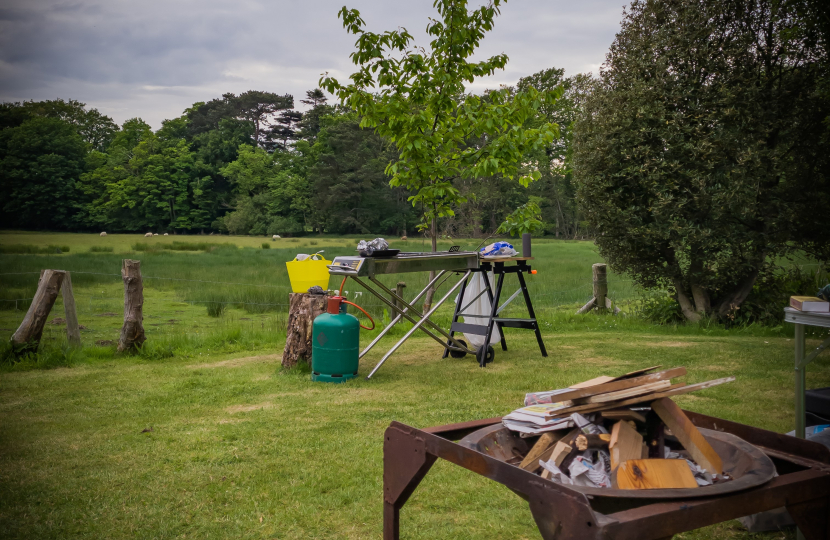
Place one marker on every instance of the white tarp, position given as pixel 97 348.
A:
pixel 479 307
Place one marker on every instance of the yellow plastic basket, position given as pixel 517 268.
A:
pixel 308 273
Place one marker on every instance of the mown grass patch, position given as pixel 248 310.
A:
pixel 229 445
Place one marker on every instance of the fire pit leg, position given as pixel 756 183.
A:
pixel 812 518
pixel 405 463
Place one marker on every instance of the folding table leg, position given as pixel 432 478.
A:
pixel 494 307
pixel 532 313
pixel 458 304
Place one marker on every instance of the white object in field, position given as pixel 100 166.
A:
pixel 480 306
pixel 275 237
pixel 155 234
pixel 103 234
pixel 165 234
pixel 148 234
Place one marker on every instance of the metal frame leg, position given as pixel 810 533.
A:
pixel 412 309
pixel 529 304
pixel 420 323
pixel 495 301
pixel 800 383
pixel 457 310
pixel 494 307
pixel 400 315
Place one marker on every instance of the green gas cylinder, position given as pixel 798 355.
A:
pixel 335 341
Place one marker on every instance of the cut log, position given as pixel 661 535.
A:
pixel 689 436
pixel 28 334
pixel 132 332
pixel 626 443
pixel 303 309
pixel 585 441
pixel 653 474
pixel 73 331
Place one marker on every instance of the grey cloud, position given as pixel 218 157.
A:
pixel 155 58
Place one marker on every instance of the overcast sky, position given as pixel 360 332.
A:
pixel 154 58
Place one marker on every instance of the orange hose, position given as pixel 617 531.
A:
pixel 364 312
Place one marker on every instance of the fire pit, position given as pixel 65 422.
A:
pixel 750 455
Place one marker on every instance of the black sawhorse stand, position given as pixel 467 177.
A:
pixel 486 353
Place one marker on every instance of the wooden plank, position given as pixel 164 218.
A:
pixel 623 414
pixel 626 443
pixel 73 331
pixel 545 442
pixel 629 392
pixel 673 391
pixel 654 474
pixel 638 372
pixel 622 384
pixel 689 436
pixel 593 382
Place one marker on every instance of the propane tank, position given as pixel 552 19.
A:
pixel 335 342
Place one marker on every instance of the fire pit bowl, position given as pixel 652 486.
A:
pixel 744 463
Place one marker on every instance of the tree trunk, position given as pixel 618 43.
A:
pixel 733 300
pixel 30 330
pixel 433 234
pixel 303 309
pixel 132 332
pixel 686 305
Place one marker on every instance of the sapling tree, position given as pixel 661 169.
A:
pixel 417 98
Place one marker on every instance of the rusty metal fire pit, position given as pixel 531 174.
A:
pixel 750 455
pixel 746 464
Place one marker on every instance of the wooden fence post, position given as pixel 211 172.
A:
pixel 399 291
pixel 31 329
pixel 132 333
pixel 73 332
pixel 600 285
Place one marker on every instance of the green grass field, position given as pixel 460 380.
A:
pixel 235 447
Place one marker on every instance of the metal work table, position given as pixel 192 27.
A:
pixel 564 513
pixel 463 263
pixel 445 264
pixel 802 319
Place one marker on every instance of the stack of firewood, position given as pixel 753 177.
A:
pixel 623 432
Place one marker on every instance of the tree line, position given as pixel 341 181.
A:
pixel 250 164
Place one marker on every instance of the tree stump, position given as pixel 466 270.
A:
pixel 30 330
pixel 132 333
pixel 303 309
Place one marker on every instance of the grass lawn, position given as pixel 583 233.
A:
pixel 203 436
pixel 239 449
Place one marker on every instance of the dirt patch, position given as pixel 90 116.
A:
pixel 58 320
pixel 238 362
pixel 82 327
pixel 106 314
pixel 670 344
pixel 105 342
pixel 234 409
pixel 172 321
